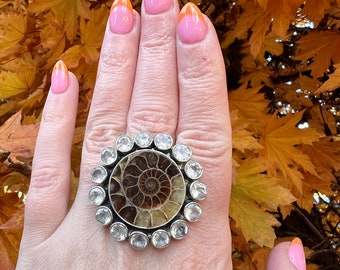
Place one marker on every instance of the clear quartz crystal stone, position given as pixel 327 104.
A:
pixel 97 195
pixel 124 143
pixel 198 190
pixel 108 155
pixel 181 152
pixel 98 174
pixel 119 231
pixel 138 240
pixel 179 229
pixel 193 169
pixel 143 139
pixel 163 141
pixel 160 239
pixel 192 211
pixel 104 215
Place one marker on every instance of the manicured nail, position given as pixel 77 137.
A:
pixel 121 17
pixel 157 6
pixel 296 254
pixel 192 26
pixel 60 78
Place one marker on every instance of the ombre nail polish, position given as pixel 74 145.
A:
pixel 60 78
pixel 192 26
pixel 296 254
pixel 121 18
pixel 157 6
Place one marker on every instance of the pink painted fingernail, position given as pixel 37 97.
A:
pixel 296 254
pixel 60 78
pixel 192 26
pixel 121 17
pixel 157 6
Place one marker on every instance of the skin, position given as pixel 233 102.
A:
pixel 147 80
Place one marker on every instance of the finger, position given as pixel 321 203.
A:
pixel 287 256
pixel 112 93
pixel 48 195
pixel 154 104
pixel 204 122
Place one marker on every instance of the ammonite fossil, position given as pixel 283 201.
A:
pixel 147 189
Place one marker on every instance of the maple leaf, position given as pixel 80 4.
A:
pixel 250 105
pixel 315 10
pixel 18 76
pixel 322 47
pixel 67 13
pixel 333 81
pixel 251 196
pixel 91 32
pixel 280 139
pixel 17 138
pixel 12 29
pixel 242 138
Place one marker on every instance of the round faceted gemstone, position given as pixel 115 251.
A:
pixel 138 240
pixel 193 169
pixel 143 139
pixel 181 152
pixel 99 174
pixel 160 239
pixel 198 190
pixel 163 141
pixel 108 155
pixel 97 195
pixel 192 211
pixel 119 231
pixel 104 215
pixel 179 229
pixel 124 143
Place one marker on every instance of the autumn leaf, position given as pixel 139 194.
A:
pixel 91 32
pixel 251 196
pixel 12 29
pixel 67 13
pixel 322 47
pixel 18 139
pixel 280 139
pixel 333 81
pixel 315 10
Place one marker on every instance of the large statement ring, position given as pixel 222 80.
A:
pixel 147 190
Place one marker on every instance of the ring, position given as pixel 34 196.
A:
pixel 147 189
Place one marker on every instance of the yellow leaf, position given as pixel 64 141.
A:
pixel 251 106
pixel 242 138
pixel 322 47
pixel 259 31
pixel 280 139
pixel 12 29
pixel 17 138
pixel 255 223
pixel 67 13
pixel 91 32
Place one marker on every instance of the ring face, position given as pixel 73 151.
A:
pixel 147 189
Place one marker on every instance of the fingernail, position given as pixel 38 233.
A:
pixel 121 17
pixel 296 254
pixel 157 6
pixel 60 78
pixel 192 26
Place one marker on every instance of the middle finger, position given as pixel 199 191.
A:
pixel 154 103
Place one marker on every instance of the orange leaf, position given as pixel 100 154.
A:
pixel 17 138
pixel 315 10
pixel 12 29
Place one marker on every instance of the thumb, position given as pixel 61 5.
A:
pixel 287 256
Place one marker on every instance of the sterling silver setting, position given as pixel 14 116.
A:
pixel 147 190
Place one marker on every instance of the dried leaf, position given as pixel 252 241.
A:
pixel 12 29
pixel 315 10
pixel 17 138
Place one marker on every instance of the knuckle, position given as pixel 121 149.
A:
pixel 153 120
pixel 46 176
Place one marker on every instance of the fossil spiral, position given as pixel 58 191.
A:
pixel 147 189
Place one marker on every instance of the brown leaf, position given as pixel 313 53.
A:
pixel 17 138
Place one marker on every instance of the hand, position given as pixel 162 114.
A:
pixel 156 73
